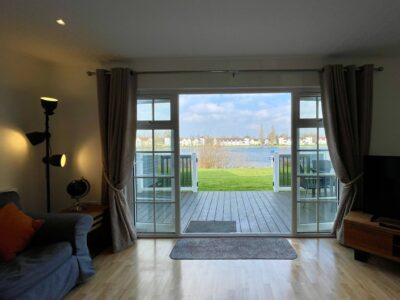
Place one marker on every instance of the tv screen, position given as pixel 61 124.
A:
pixel 382 186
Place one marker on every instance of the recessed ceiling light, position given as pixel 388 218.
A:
pixel 60 22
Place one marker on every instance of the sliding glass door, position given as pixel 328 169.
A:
pixel 316 182
pixel 155 180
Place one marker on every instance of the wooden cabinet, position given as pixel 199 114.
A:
pixel 367 237
pixel 99 236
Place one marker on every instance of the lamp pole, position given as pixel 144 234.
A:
pixel 58 160
pixel 47 161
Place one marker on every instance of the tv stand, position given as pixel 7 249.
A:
pixel 367 237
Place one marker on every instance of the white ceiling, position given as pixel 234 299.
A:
pixel 116 29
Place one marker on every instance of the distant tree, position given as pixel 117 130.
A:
pixel 261 135
pixel 272 136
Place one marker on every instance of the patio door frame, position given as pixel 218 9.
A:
pixel 174 94
pixel 173 124
pixel 297 123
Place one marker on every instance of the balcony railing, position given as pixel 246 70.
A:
pixel 282 173
pixel 163 164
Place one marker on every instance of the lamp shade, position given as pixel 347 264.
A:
pixel 58 160
pixel 49 104
pixel 36 137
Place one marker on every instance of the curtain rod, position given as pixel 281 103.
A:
pixel 233 72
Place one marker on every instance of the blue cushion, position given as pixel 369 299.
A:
pixel 31 267
pixel 7 197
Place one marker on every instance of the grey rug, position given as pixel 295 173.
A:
pixel 211 226
pixel 233 248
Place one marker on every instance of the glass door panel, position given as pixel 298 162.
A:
pixel 154 181
pixel 317 185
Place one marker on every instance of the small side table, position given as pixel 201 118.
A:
pixel 99 235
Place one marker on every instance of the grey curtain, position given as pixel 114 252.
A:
pixel 347 109
pixel 116 92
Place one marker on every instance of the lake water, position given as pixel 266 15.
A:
pixel 248 157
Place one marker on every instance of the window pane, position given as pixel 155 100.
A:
pixel 145 217
pixel 308 108
pixel 164 164
pixel 307 138
pixel 144 164
pixel 164 189
pixel 162 110
pixel 165 217
pixel 144 110
pixel 144 140
pixel 320 114
pixel 322 143
pixel 327 213
pixel 144 189
pixel 307 217
pixel 163 140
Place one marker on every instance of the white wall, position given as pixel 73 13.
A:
pixel 74 128
pixel 385 138
pixel 75 125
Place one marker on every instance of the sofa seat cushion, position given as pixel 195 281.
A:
pixel 32 266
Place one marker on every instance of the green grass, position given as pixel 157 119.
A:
pixel 238 179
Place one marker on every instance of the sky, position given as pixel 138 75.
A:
pixel 239 115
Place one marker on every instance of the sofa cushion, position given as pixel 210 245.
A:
pixel 31 267
pixel 7 197
pixel 16 231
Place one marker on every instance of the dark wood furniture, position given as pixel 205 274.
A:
pixel 99 236
pixel 367 237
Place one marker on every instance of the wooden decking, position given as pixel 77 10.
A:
pixel 254 212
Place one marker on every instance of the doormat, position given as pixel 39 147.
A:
pixel 211 227
pixel 233 248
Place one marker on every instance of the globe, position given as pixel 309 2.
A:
pixel 79 188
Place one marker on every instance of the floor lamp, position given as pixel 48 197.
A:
pixel 36 138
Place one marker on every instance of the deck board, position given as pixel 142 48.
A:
pixel 253 211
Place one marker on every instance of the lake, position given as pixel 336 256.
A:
pixel 248 157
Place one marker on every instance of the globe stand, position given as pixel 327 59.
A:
pixel 78 189
pixel 78 206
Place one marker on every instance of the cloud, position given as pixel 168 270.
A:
pixel 234 114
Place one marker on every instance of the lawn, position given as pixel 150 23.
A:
pixel 238 179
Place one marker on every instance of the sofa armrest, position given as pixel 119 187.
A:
pixel 73 228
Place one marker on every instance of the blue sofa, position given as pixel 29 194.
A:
pixel 56 260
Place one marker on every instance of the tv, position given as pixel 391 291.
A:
pixel 382 186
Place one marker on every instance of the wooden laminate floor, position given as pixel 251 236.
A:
pixel 323 270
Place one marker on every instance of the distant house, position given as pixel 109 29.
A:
pixel 322 140
pixel 284 141
pixel 307 140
